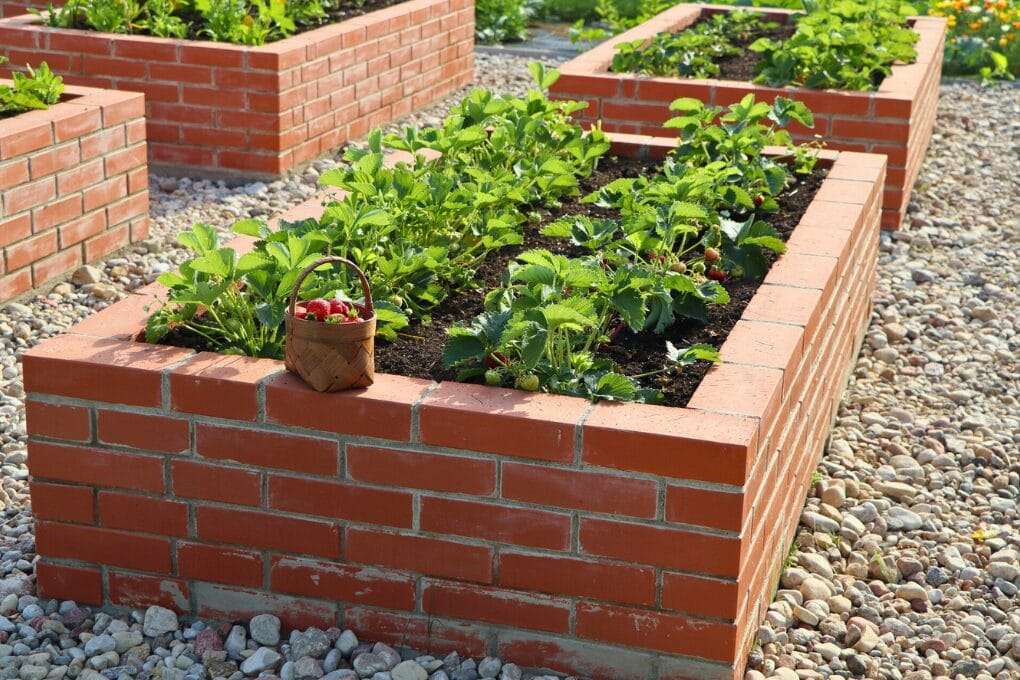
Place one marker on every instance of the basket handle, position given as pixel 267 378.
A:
pixel 365 288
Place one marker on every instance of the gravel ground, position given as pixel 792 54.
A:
pixel 907 558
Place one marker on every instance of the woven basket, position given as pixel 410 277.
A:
pixel 332 357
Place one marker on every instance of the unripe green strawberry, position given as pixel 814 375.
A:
pixel 529 382
pixel 493 377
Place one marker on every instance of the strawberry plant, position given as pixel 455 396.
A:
pixel 691 53
pixel 38 89
pixel 840 44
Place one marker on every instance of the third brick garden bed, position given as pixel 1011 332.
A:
pixel 895 120
pixel 615 541
pixel 221 109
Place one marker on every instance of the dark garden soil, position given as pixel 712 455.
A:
pixel 744 65
pixel 418 352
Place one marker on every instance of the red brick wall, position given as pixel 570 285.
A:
pixel 259 111
pixel 612 541
pixel 896 120
pixel 73 185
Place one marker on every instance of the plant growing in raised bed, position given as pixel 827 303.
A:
pixel 839 44
pixel 38 90
pixel 243 22
pixel 658 254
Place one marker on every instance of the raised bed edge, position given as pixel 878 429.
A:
pixel 772 419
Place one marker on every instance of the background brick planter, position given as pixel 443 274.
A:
pixel 896 120
pixel 73 185
pixel 215 108
pixel 623 542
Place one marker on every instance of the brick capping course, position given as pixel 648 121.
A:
pixel 221 109
pixel 896 120
pixel 607 540
pixel 73 185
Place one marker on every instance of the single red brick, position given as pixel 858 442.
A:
pixel 645 629
pixel 63 502
pixel 235 379
pixel 191 479
pixel 488 521
pixel 705 507
pixel 142 513
pixel 77 178
pixel 508 422
pixel 15 284
pixel 219 564
pixel 575 577
pixel 419 470
pixel 63 582
pixel 75 121
pixel 700 595
pixel 582 490
pixel 680 443
pixel 103 546
pixel 267 531
pixel 92 466
pixel 28 196
pixel 102 143
pixel 661 546
pixel 146 432
pixel 25 134
pixel 46 162
pixel 418 632
pixel 58 421
pixel 13 230
pixel 740 390
pixel 57 211
pixel 340 501
pixel 138 592
pixel 343 582
pixel 382 410
pixel 501 607
pixel 267 449
pixel 419 554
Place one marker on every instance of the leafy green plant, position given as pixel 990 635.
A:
pixel 676 236
pixel 112 16
pixel 840 44
pixel 691 53
pixel 39 89
pixel 983 39
pixel 161 21
pixel 498 21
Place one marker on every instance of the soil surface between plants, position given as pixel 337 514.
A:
pixel 744 65
pixel 418 352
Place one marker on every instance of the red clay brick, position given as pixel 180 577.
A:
pixel 92 466
pixel 267 449
pixel 59 421
pixel 496 606
pixel 267 531
pixel 138 591
pixel 591 491
pixel 60 581
pixel 63 502
pixel 340 501
pixel 142 513
pixel 421 554
pixel 219 564
pixel 419 470
pixel 103 546
pixel 346 583
pixel 192 479
pixel 235 378
pixel 136 430
pixel 574 577
pixel 487 521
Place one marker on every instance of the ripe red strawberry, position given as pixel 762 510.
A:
pixel 300 311
pixel 495 360
pixel 716 274
pixel 318 308
pixel 758 200
pixel 338 307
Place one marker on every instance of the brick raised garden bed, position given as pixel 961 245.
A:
pixel 215 108
pixel 73 185
pixel 896 120
pixel 604 540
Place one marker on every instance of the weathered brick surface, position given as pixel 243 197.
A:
pixel 225 109
pixel 65 195
pixel 895 120
pixel 612 541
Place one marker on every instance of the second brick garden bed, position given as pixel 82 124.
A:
pixel 74 185
pixel 896 120
pixel 216 108
pixel 613 541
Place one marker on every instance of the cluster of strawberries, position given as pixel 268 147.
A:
pixel 328 311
